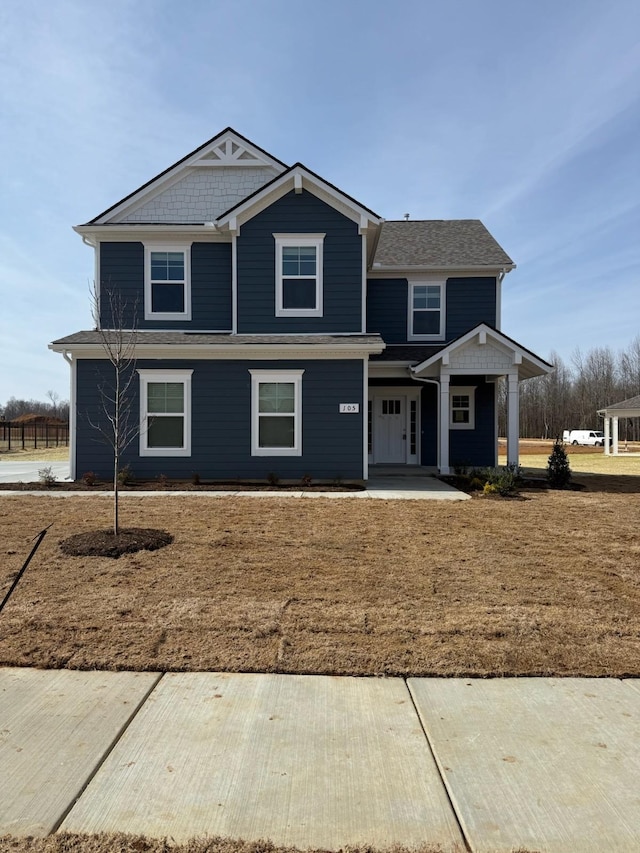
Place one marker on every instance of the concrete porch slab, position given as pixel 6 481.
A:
pixel 310 761
pixel 539 763
pixel 55 728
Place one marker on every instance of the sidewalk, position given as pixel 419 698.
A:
pixel 545 764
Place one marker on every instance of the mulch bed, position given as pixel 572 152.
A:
pixel 104 543
pixel 182 486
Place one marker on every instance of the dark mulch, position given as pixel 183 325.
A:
pixel 165 485
pixel 104 543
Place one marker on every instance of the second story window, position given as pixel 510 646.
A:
pixel 167 285
pixel 426 311
pixel 299 275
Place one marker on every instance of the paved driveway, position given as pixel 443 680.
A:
pixel 27 472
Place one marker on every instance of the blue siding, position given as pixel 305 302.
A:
pixel 469 301
pixel 342 278
pixel 387 308
pixel 122 268
pixel 332 443
pixel 476 446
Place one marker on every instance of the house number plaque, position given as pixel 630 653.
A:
pixel 347 408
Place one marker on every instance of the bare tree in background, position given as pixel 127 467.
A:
pixel 119 426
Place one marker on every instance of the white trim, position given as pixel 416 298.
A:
pixel 225 352
pixel 412 284
pixel 443 427
pixel 463 391
pixel 451 271
pixel 295 240
pixel 261 376
pixel 513 419
pixel 311 183
pixel 148 375
pixel 73 418
pixel 159 316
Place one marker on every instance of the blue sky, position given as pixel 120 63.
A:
pixel 525 115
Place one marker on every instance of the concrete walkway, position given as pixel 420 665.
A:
pixel 544 764
pixel 378 487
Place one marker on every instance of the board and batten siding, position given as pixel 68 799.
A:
pixel 332 443
pixel 301 213
pixel 122 270
pixel 469 301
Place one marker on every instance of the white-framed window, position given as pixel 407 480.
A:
pixel 462 409
pixel 299 275
pixel 167 282
pixel 276 412
pixel 165 412
pixel 426 319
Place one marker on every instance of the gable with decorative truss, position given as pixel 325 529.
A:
pixel 201 186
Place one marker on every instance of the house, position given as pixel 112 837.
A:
pixel 285 328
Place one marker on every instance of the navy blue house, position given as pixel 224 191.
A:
pixel 282 327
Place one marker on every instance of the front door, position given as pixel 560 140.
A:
pixel 390 430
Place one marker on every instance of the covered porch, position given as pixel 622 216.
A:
pixel 626 409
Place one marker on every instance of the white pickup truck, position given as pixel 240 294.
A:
pixel 592 437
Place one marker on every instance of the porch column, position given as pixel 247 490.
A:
pixel 607 435
pixel 443 455
pixel 513 419
pixel 615 435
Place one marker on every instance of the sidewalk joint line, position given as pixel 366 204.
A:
pixel 116 740
pixel 463 832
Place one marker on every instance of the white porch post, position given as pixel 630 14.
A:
pixel 615 435
pixel 607 433
pixel 443 460
pixel 513 419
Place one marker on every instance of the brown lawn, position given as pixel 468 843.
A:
pixel 548 585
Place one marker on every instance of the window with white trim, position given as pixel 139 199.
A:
pixel 462 407
pixel 167 282
pixel 276 412
pixel 299 275
pixel 426 310
pixel 165 412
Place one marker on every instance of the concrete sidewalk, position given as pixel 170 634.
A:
pixel 544 764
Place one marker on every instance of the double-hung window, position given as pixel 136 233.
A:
pixel 276 412
pixel 167 282
pixel 426 311
pixel 299 275
pixel 462 407
pixel 165 412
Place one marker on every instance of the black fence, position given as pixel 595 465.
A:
pixel 31 436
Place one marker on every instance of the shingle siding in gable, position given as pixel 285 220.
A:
pixel 122 269
pixel 301 213
pixel 332 443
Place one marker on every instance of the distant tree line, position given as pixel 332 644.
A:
pixel 53 407
pixel 570 396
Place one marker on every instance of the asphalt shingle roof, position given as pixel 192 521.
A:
pixel 438 242
pixel 631 403
pixel 200 338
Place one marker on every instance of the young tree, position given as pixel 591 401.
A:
pixel 117 426
pixel 558 470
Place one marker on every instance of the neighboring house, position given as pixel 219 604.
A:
pixel 285 328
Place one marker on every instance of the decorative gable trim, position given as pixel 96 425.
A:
pixel 298 178
pixel 227 148
pixel 497 354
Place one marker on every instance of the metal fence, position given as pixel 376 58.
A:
pixel 28 436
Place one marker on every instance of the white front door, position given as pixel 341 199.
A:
pixel 389 430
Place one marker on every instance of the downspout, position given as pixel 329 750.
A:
pixel 435 382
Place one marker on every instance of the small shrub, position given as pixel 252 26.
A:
pixel 306 479
pixel 89 478
pixel 476 484
pixel 273 479
pixel 195 478
pixel 558 470
pixel 490 489
pixel 503 481
pixel 125 475
pixel 46 476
